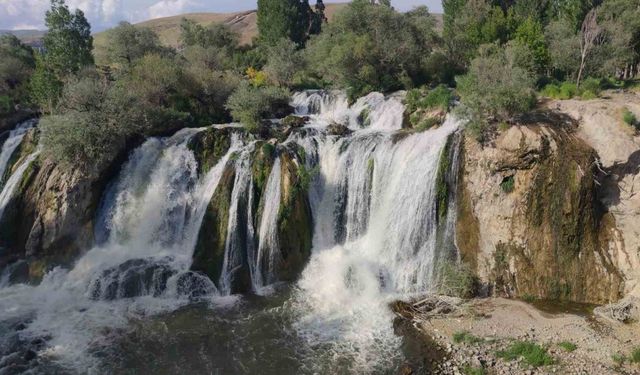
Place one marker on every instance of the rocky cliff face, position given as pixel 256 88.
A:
pixel 49 220
pixel 548 209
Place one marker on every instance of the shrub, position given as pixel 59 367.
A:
pixel 507 184
pixel 592 85
pixel 249 104
pixel 635 355
pixel 618 358
pixel 438 98
pixel 568 346
pixel 629 117
pixel 495 87
pixel 567 90
pixel 426 124
pixel 466 337
pixel 533 354
pixel 456 280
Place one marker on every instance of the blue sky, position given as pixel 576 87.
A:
pixel 29 14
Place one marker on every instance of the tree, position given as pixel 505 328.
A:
pixel 291 19
pixel 564 49
pixel 128 43
pixel 530 33
pixel 590 37
pixel 16 67
pixel 68 42
pixel 374 48
pixel 45 87
pixel 283 61
pixel 620 21
pixel 249 104
pixel 495 86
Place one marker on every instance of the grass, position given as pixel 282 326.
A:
pixel 466 337
pixel 619 359
pixel 508 184
pixel 568 346
pixel 469 370
pixel 529 298
pixel 532 354
pixel 590 88
pixel 635 355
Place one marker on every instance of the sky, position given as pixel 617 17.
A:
pixel 102 14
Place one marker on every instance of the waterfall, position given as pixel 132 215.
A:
pixel 148 222
pixel 13 181
pixel 268 247
pixel 376 236
pixel 375 239
pixel 238 226
pixel 13 141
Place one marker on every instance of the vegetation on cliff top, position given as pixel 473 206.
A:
pixel 502 52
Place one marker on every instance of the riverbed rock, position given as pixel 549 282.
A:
pixel 338 129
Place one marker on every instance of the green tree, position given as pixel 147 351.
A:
pixel 45 87
pixel 278 19
pixel 620 20
pixel 283 62
pixel 495 87
pixel 127 43
pixel 68 42
pixel 17 63
pixel 530 33
pixel 249 104
pixel 374 48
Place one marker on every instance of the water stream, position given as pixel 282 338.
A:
pixel 130 304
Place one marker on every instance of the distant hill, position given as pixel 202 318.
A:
pixel 168 28
pixel 29 37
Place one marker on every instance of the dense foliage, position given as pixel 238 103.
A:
pixel 494 55
pixel 374 48
pixel 17 63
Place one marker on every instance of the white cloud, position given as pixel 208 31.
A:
pixel 167 8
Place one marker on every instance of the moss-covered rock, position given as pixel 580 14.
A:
pixel 295 223
pixel 210 145
pixel 208 256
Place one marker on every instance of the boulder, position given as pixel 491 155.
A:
pixel 338 129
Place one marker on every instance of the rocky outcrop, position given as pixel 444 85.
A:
pixel 529 219
pixel 294 213
pixel 50 219
pixel 618 146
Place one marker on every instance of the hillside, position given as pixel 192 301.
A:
pixel 244 23
pixel 168 28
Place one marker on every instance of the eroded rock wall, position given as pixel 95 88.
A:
pixel 529 218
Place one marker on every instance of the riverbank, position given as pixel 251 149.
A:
pixel 479 336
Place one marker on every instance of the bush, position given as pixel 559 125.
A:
pixel 438 98
pixel 533 354
pixel 618 358
pixel 495 87
pixel 507 184
pixel 568 346
pixel 457 280
pixel 629 117
pixel 249 104
pixel 635 355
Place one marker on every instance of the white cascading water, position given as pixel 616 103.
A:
pixel 268 247
pixel 237 237
pixel 12 142
pixel 373 203
pixel 374 207
pixel 12 183
pixel 152 213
